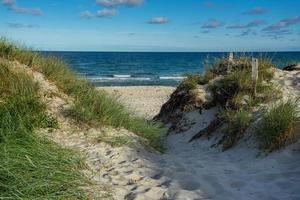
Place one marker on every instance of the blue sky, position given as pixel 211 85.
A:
pixel 153 25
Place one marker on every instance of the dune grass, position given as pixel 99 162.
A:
pixel 32 167
pixel 233 92
pixel 277 125
pixel 237 123
pixel 90 105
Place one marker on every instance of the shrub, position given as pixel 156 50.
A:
pixel 277 125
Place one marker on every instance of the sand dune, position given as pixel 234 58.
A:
pixel 186 171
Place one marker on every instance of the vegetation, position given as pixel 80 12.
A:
pixel 192 80
pixel 237 123
pixel 233 86
pixel 31 167
pixel 277 125
pixel 233 91
pixel 91 106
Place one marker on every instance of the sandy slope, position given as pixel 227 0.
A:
pixel 186 170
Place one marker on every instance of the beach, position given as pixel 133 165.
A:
pixel 144 101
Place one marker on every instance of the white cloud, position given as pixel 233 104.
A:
pixel 86 14
pixel 159 20
pixel 115 3
pixel 12 5
pixel 251 24
pixel 255 11
pixel 283 23
pixel 106 12
pixel 212 24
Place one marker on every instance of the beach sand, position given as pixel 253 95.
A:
pixel 144 101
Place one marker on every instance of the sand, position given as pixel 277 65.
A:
pixel 144 101
pixel 186 171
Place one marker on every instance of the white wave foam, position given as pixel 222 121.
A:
pixel 172 77
pixel 121 76
pixel 103 79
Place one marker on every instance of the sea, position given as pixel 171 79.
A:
pixel 150 68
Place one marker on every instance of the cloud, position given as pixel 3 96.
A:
pixel 106 13
pixel 277 34
pixel 12 5
pixel 116 3
pixel 86 14
pixel 8 2
pixel 247 32
pixel 19 25
pixel 209 4
pixel 284 23
pixel 255 11
pixel 212 24
pixel 251 24
pixel 159 20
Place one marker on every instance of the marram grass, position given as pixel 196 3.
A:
pixel 277 126
pixel 32 167
pixel 91 105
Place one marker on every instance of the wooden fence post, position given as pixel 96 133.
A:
pixel 230 61
pixel 254 64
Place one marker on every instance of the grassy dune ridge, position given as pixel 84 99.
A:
pixel 31 167
pixel 91 106
pixel 233 93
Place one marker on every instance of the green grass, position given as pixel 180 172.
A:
pixel 91 106
pixel 238 83
pixel 32 167
pixel 277 125
pixel 192 80
pixel 237 123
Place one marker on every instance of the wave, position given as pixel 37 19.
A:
pixel 172 77
pixel 103 79
pixel 132 78
pixel 121 76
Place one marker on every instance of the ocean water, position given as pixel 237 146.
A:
pixel 132 68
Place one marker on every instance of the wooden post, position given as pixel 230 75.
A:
pixel 230 61
pixel 254 64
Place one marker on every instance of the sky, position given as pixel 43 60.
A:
pixel 153 25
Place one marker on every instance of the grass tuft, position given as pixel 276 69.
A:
pixel 277 125
pixel 237 123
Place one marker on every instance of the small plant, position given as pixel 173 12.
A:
pixel 277 125
pixel 238 122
